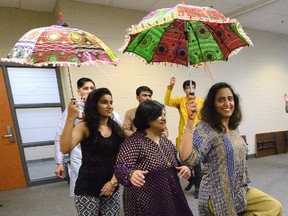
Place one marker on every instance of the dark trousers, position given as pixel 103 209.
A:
pixel 196 178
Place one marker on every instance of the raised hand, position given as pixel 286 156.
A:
pixel 191 107
pixel 286 97
pixel 84 98
pixel 73 109
pixel 172 82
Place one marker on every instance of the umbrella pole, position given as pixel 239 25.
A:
pixel 70 82
pixel 188 59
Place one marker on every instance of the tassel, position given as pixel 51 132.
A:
pixel 208 72
pixel 61 19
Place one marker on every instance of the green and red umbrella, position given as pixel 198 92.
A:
pixel 185 35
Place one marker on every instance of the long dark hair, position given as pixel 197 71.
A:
pixel 210 115
pixel 146 112
pixel 92 117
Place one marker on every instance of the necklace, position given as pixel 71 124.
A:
pixel 156 140
pixel 168 164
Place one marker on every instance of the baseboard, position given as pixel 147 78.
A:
pixel 251 156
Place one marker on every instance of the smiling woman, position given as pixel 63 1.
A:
pixel 224 104
pixel 218 145
pixel 100 137
pixel 148 168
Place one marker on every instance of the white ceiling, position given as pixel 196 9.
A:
pixel 264 15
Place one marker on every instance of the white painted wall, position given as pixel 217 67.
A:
pixel 258 74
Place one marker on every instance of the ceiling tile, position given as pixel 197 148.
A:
pixel 259 21
pixel 133 4
pixel 279 7
pixel 164 4
pixel 100 2
pixel 10 3
pixel 272 17
pixel 36 5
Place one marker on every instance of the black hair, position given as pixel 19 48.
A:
pixel 142 89
pixel 81 82
pixel 146 112
pixel 210 115
pixel 187 83
pixel 92 115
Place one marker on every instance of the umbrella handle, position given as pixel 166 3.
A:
pixel 186 33
pixel 70 81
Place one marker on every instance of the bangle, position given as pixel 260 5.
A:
pixel 190 130
pixel 114 182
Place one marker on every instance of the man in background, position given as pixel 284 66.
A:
pixel 180 104
pixel 286 102
pixel 143 93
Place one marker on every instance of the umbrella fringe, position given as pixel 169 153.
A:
pixel 208 72
pixel 174 14
pixel 242 33
pixel 234 52
pixel 161 63
pixel 59 64
pixel 17 61
pixel 126 43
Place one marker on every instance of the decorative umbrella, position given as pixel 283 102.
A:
pixel 58 45
pixel 185 35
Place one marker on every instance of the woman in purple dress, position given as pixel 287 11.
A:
pixel 148 168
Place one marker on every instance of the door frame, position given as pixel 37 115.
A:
pixel 13 108
pixel 12 164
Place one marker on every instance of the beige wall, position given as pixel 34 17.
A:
pixel 16 22
pixel 259 74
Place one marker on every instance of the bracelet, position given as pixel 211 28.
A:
pixel 190 130
pixel 114 183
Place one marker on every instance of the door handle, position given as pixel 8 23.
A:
pixel 10 134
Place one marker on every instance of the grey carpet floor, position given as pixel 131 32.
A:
pixel 270 174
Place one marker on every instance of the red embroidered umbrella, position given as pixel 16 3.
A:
pixel 185 35
pixel 58 45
